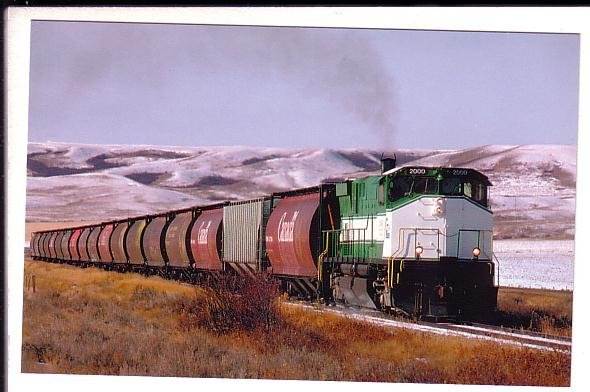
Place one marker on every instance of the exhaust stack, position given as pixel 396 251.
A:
pixel 387 163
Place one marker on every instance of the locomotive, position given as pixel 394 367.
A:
pixel 415 240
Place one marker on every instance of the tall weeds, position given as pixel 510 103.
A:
pixel 234 303
pixel 545 311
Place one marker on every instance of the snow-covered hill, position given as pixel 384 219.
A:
pixel 533 193
pixel 534 186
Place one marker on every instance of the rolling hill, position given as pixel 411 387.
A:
pixel 533 194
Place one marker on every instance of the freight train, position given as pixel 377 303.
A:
pixel 415 240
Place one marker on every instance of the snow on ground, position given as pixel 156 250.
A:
pixel 536 264
pixel 91 196
pixel 533 207
pixel 81 153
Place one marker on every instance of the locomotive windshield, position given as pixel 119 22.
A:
pixel 400 187
pixel 425 185
pixel 451 186
pixel 404 185
pixel 473 189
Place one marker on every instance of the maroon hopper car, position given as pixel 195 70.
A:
pixel 118 242
pixel 205 239
pixel 73 244
pixel 178 241
pixel 83 244
pixel 291 248
pixel 133 242
pixel 153 240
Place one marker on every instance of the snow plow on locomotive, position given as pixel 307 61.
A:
pixel 415 240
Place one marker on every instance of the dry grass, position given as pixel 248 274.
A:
pixel 547 311
pixel 97 322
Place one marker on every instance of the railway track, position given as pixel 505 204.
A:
pixel 482 332
pixel 524 338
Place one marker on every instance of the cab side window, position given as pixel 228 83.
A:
pixel 467 189
pixel 480 194
pixel 476 191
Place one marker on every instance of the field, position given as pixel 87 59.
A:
pixel 546 311
pixel 96 322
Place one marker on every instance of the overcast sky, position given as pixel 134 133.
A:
pixel 122 83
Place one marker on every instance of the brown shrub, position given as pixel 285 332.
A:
pixel 232 304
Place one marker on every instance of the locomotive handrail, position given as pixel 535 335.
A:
pixel 321 258
pixel 390 263
pixel 390 270
pixel 497 268
pixel 328 239
pixel 349 242
pixel 399 244
pixel 403 246
pixel 415 230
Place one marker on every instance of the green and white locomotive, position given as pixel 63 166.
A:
pixel 414 239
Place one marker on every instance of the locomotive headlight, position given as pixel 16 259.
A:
pixel 419 251
pixel 476 252
pixel 439 207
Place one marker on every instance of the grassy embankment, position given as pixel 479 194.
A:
pixel 546 311
pixel 96 322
